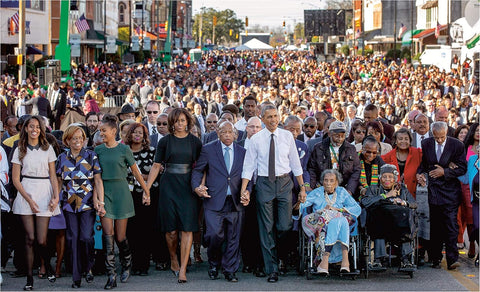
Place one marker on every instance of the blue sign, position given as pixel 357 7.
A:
pixel 31 4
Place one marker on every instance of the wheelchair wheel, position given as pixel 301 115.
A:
pixel 301 250
pixel 308 273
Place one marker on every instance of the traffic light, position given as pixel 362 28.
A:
pixel 246 21
pixel 214 20
pixel 283 23
pixel 230 32
pixel 166 25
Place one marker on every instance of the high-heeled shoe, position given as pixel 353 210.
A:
pixel 180 281
pixel 50 274
pixel 29 285
pixel 175 273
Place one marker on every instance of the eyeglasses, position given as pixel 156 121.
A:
pixel 152 112
pixel 162 124
pixel 209 122
pixel 360 132
pixel 310 126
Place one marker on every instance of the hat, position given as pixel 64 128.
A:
pixel 388 168
pixel 337 127
pixel 127 109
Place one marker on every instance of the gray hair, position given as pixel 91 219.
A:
pixel 437 126
pixel 266 108
pixel 223 124
pixel 292 119
pixel 352 107
pixel 335 172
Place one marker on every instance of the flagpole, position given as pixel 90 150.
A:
pixel 22 69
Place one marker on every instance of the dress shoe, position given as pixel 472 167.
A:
pixel 231 277
pixel 213 273
pixel 246 269
pixel 476 261
pixel 89 277
pixel 453 266
pixel 259 273
pixel 76 284
pixel 29 285
pixel 273 277
pixel 436 265
pixel 282 267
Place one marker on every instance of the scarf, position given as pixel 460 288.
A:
pixel 363 176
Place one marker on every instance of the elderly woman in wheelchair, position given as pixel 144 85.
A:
pixel 390 217
pixel 334 211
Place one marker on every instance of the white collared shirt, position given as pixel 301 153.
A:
pixel 241 125
pixel 419 139
pixel 286 154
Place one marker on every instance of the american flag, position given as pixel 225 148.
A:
pixel 82 24
pixel 437 30
pixel 402 30
pixel 15 19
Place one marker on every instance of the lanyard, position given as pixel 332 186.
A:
pixel 334 154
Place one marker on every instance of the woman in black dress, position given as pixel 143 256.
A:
pixel 176 153
pixel 140 227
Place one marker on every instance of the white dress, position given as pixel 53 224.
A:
pixel 35 164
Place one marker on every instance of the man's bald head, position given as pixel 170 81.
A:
pixel 254 125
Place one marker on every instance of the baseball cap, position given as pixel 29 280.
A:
pixel 337 127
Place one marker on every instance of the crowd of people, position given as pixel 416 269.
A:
pixel 226 153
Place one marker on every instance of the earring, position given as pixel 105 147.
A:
pixel 186 129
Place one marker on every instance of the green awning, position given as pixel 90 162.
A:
pixel 407 37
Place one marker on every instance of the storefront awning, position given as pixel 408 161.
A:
pixel 430 4
pixel 428 32
pixel 407 37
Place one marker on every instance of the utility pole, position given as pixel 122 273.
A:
pixel 214 23
pixel 394 31
pixel 130 23
pixel 200 28
pixel 22 69
pixel 143 25
pixel 105 30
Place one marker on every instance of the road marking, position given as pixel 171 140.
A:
pixel 464 281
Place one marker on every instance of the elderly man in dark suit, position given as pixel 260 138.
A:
pixel 222 162
pixel 443 161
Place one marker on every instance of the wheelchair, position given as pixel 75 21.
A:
pixel 393 249
pixel 307 252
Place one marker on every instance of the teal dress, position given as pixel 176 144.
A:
pixel 115 163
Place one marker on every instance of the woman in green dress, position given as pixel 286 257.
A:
pixel 115 159
pixel 178 209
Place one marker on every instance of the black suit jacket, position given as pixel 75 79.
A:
pixel 445 190
pixel 213 136
pixel 301 137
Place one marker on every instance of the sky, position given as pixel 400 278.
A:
pixel 264 12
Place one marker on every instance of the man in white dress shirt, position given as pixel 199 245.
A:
pixel 249 110
pixel 273 154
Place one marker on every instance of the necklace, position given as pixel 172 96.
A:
pixel 333 200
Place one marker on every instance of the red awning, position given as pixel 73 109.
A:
pixel 428 32
pixel 142 33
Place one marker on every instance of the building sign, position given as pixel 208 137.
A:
pixel 75 45
pixel 135 44
pixel 111 46
pixel 372 10
pixel 30 4
pixel 147 44
pixel 357 17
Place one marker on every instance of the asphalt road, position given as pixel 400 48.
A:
pixel 425 279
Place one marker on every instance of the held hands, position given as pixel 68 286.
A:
pixel 245 198
pixel 146 198
pixel 53 204
pixel 201 191
pixel 302 195
pixel 101 210
pixel 437 172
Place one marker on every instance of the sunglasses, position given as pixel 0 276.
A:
pixel 310 126
pixel 152 112
pixel 209 122
pixel 162 124
pixel 360 132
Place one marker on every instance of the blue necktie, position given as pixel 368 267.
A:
pixel 227 164
pixel 439 152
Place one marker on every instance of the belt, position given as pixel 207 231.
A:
pixel 280 176
pixel 177 168
pixel 36 177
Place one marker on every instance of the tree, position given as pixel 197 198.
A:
pixel 299 31
pixel 339 4
pixel 226 20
